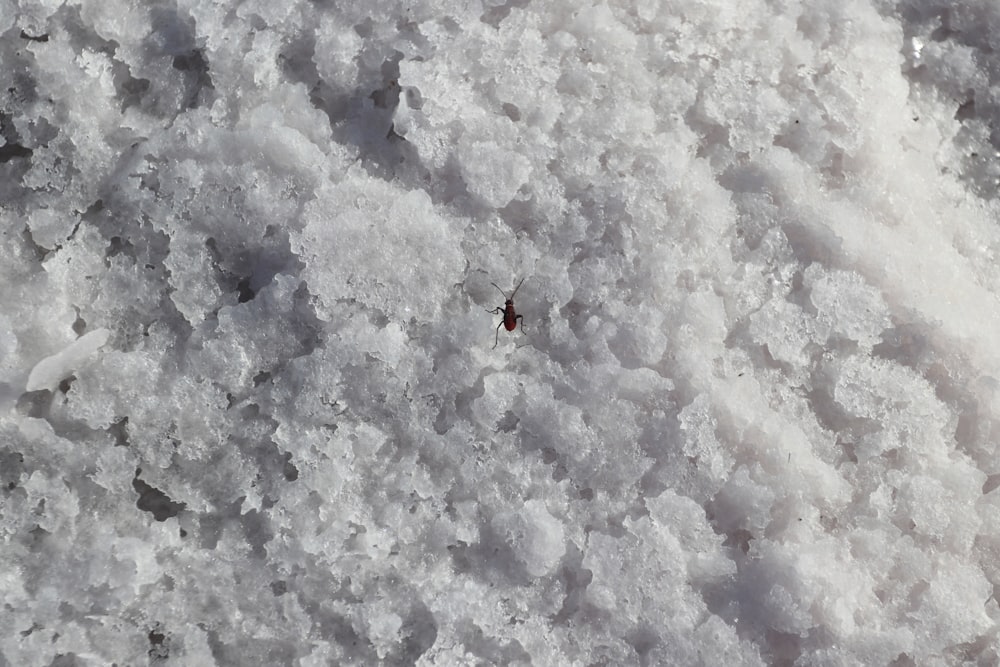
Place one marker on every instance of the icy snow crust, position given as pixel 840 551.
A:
pixel 250 410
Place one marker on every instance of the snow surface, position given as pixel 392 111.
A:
pixel 250 409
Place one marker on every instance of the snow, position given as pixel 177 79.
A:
pixel 50 371
pixel 250 408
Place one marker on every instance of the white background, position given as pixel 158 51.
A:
pixel 250 409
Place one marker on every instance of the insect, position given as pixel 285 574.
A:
pixel 510 317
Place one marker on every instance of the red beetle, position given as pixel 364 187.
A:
pixel 510 318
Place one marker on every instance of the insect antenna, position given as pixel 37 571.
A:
pixel 516 288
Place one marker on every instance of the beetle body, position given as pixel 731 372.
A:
pixel 510 316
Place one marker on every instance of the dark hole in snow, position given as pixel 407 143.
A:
pixel 992 482
pixel 12 148
pixel 290 471
pixel 508 422
pixel 154 501
pixel 10 151
pixel 157 649
pixel 117 246
pixel 364 29
pixel 35 403
pixel 966 110
pixel 31 38
pixel 66 383
pixel 119 430
pixel 79 325
pixel 246 294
